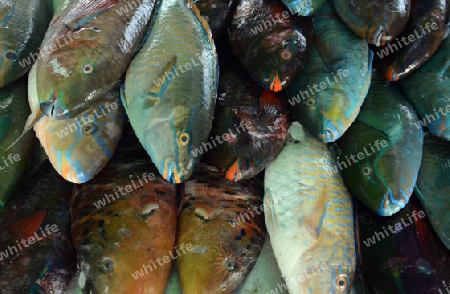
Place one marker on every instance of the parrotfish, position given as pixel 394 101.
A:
pixel 86 50
pixel 433 185
pixel 428 90
pixel 381 152
pixel 218 13
pixel 80 147
pixel 304 7
pixel 173 284
pixel 327 95
pixel 377 21
pixel 123 221
pixel 14 163
pixel 417 43
pixel 22 27
pixel 309 217
pixel 401 254
pixel 250 125
pixel 171 88
pixel 272 44
pixel 265 276
pixel 223 223
pixel 36 252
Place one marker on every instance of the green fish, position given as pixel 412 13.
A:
pixel 14 163
pixel 433 185
pixel 171 88
pixel 309 217
pixel 86 50
pixel 377 21
pixel 327 95
pixel 173 284
pixel 428 90
pixel 22 27
pixel 304 7
pixel 380 154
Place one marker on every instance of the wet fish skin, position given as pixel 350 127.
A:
pixel 304 7
pixel 88 36
pixel 13 114
pixel 225 248
pixel 47 265
pixel 340 64
pixel 428 90
pixel 377 21
pixel 385 176
pixel 309 217
pixel 411 260
pixel 80 147
pixel 172 114
pixel 433 185
pixel 117 239
pixel 272 44
pixel 404 59
pixel 218 13
pixel 255 120
pixel 22 27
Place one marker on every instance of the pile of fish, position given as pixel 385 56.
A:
pixel 224 146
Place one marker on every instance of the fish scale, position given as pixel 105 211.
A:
pixel 312 213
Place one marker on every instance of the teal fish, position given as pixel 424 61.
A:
pixel 433 185
pixel 171 89
pixel 382 150
pixel 173 284
pixel 428 90
pixel 22 27
pixel 14 163
pixel 309 217
pixel 304 7
pixel 327 95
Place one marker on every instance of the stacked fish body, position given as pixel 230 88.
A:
pixel 251 121
pixel 173 284
pixel 433 185
pixel 122 222
pixel 401 254
pixel 341 66
pixel 86 50
pixel 14 162
pixel 309 217
pixel 22 27
pixel 417 43
pixel 222 223
pixel 382 150
pixel 304 7
pixel 271 44
pixel 80 147
pixel 171 89
pixel 432 98
pixel 36 253
pixel 377 21
pixel 218 13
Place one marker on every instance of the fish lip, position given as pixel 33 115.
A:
pixel 389 206
pixel 329 133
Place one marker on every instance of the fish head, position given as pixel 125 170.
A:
pixel 277 58
pixel 72 74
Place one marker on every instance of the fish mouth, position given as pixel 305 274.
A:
pixel 391 203
pixel 173 173
pixel 329 133
pixel 53 108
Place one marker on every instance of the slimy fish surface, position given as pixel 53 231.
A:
pixel 433 185
pixel 14 162
pixel 377 21
pixel 252 123
pixel 304 7
pixel 418 41
pixel 86 50
pixel 272 44
pixel 309 217
pixel 22 27
pixel 381 152
pixel 401 254
pixel 218 13
pixel 428 90
pixel 223 223
pixel 122 220
pixel 171 89
pixel 327 95
pixel 80 147
pixel 36 252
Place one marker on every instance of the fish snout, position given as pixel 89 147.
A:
pixel 53 108
pixel 392 203
pixel 329 133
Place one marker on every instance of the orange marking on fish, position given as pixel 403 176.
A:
pixel 233 172
pixel 269 97
pixel 390 74
pixel 276 85
pixel 25 228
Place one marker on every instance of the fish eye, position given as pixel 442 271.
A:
pixel 184 138
pixel 106 266
pixel 11 55
pixel 310 102
pixel 231 264
pixel 89 129
pixel 366 171
pixel 286 55
pixel 341 283
pixel 88 69
pixel 231 138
